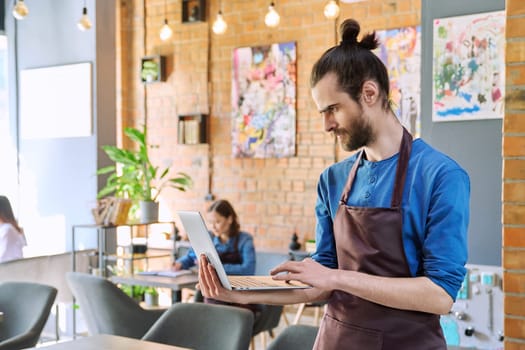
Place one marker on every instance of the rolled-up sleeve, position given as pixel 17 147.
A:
pixel 445 248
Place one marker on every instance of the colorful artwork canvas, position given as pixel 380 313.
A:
pixel 264 101
pixel 469 67
pixel 400 51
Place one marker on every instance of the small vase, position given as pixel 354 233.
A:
pixel 149 212
pixel 294 244
pixel 151 299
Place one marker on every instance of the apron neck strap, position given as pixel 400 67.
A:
pixel 350 179
pixel 401 170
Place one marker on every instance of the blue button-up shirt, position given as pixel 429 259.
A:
pixel 245 248
pixel 435 209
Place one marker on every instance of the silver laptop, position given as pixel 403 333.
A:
pixel 202 243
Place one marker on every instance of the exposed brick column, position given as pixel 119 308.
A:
pixel 514 178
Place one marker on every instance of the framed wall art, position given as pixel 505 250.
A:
pixel 469 67
pixel 400 51
pixel 193 11
pixel 264 101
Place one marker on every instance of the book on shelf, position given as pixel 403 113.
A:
pixel 191 132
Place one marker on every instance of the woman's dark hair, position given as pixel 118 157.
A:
pixel 353 62
pixel 6 213
pixel 225 209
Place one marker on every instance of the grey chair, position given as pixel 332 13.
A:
pixel 107 309
pixel 295 337
pixel 269 316
pixel 26 307
pixel 203 326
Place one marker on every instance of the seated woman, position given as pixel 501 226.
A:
pixel 235 247
pixel 12 238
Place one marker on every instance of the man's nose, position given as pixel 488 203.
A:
pixel 329 122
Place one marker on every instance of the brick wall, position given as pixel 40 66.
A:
pixel 274 197
pixel 514 179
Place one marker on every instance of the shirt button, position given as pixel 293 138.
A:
pixel 367 194
pixel 372 179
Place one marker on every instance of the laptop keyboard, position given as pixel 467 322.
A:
pixel 253 281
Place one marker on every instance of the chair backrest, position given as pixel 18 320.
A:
pixel 270 315
pixel 26 307
pixel 267 260
pixel 295 337
pixel 106 308
pixel 203 327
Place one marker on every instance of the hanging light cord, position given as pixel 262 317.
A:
pixel 144 44
pixel 209 195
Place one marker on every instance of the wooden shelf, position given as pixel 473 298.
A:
pixel 193 11
pixel 109 251
pixel 153 69
pixel 192 129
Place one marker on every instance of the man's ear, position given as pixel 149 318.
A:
pixel 370 92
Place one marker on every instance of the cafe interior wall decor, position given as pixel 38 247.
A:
pixel 400 51
pixel 264 101
pixel 469 67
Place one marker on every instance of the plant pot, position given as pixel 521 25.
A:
pixel 149 212
pixel 151 299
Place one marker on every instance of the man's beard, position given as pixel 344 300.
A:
pixel 358 136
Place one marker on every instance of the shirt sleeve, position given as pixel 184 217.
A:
pixel 445 249
pixel 325 253
pixel 247 252
pixel 3 242
pixel 188 260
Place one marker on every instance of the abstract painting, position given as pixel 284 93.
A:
pixel 469 67
pixel 400 51
pixel 264 101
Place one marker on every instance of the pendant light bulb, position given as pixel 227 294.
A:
pixel 84 23
pixel 272 18
pixel 20 11
pixel 165 31
pixel 220 25
pixel 331 10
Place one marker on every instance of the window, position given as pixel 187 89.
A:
pixel 8 154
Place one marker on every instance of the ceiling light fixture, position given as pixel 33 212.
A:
pixel 272 18
pixel 165 30
pixel 20 11
pixel 220 25
pixel 331 9
pixel 84 23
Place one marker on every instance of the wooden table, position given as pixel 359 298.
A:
pixel 176 284
pixel 113 342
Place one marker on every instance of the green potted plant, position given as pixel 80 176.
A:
pixel 150 71
pixel 151 296
pixel 134 291
pixel 134 176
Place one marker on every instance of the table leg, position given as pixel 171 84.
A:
pixel 176 296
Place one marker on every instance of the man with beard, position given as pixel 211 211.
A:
pixel 391 233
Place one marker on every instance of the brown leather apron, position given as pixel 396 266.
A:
pixel 369 240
